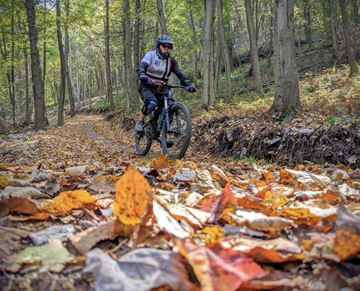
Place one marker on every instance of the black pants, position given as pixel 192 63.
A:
pixel 148 95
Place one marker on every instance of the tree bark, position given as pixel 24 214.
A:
pixel 208 60
pixel 224 50
pixel 287 96
pixel 355 11
pixel 107 59
pixel 253 47
pixel 348 41
pixel 335 50
pixel 131 93
pixel 38 84
pixel 12 69
pixel 307 22
pixel 161 15
pixel 137 33
pixel 67 66
pixel 28 105
pixel 195 42
pixel 61 102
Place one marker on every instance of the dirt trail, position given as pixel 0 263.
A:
pixel 83 139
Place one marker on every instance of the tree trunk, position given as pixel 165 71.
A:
pixel 253 47
pixel 107 59
pixel 137 33
pixel 307 22
pixel 195 42
pixel 44 51
pixel 335 50
pixel 12 69
pixel 161 15
pixel 131 93
pixel 355 11
pixel 348 42
pixel 224 50
pixel 28 107
pixel 208 59
pixel 287 96
pixel 67 66
pixel 38 84
pixel 60 120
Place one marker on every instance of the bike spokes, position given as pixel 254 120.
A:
pixel 176 138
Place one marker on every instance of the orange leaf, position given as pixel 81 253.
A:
pixel 159 163
pixel 132 197
pixel 331 197
pixel 286 177
pixel 269 177
pixel 70 200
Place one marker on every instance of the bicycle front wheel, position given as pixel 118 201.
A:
pixel 176 139
pixel 144 139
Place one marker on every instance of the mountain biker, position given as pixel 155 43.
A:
pixel 155 69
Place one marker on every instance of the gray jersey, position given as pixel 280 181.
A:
pixel 158 67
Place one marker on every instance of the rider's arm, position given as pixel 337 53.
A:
pixel 177 71
pixel 140 71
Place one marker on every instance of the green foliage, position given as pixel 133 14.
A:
pixel 250 160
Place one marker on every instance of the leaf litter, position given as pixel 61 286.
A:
pixel 121 223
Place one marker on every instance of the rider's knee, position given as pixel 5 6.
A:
pixel 149 107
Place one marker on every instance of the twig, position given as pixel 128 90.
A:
pixel 119 246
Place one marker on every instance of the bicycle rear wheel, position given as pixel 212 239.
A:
pixel 176 139
pixel 144 139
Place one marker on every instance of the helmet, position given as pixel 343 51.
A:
pixel 163 39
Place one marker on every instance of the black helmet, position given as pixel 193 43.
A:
pixel 163 39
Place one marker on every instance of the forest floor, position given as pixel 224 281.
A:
pixel 111 220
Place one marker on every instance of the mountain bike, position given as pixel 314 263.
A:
pixel 169 125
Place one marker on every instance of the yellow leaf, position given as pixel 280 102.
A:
pixel 210 234
pixel 70 200
pixel 347 244
pixel 159 163
pixel 132 197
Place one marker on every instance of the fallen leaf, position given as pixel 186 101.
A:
pixel 133 197
pixel 52 255
pixel 160 162
pixel 56 232
pixel 209 234
pixel 70 200
pixel 87 239
pixel 223 270
pixel 141 269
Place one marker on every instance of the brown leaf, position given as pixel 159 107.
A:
pixel 160 162
pixel 85 240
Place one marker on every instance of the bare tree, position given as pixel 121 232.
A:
pixel 67 66
pixel 208 59
pixel 307 22
pixel 347 35
pixel 60 120
pixel 107 59
pixel 224 49
pixel 333 28
pixel 38 84
pixel 161 14
pixel 253 46
pixel 287 96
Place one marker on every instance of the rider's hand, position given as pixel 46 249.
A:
pixel 191 88
pixel 152 83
